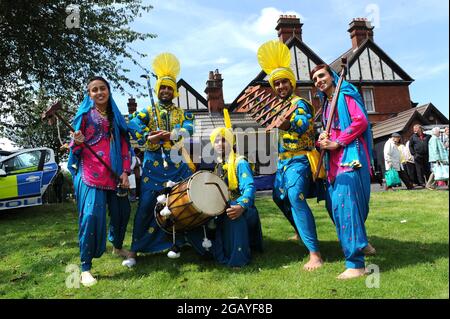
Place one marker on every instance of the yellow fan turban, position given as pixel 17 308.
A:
pixel 274 58
pixel 231 164
pixel 166 67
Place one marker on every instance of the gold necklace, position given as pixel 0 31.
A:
pixel 102 113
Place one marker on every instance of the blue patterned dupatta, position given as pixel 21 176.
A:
pixel 351 155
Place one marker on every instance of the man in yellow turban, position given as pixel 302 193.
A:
pixel 298 157
pixel 238 231
pixel 158 128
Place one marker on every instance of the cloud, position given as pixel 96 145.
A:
pixel 424 72
pixel 206 38
pixel 264 25
pixel 237 76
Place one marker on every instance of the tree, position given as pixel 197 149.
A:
pixel 31 131
pixel 54 47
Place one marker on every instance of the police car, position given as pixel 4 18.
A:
pixel 24 177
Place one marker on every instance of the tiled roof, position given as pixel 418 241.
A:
pixel 205 123
pixel 399 122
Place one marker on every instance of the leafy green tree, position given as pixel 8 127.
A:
pixel 54 47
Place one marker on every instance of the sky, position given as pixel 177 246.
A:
pixel 225 35
pixel 207 34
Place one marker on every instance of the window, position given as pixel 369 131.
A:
pixel 25 162
pixel 368 100
pixel 305 93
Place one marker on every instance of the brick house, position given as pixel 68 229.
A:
pixel 383 84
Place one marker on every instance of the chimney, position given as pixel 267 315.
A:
pixel 214 92
pixel 289 26
pixel 132 106
pixel 360 30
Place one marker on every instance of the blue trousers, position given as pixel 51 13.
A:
pixel 91 204
pixel 148 237
pixel 348 201
pixel 291 188
pixel 233 240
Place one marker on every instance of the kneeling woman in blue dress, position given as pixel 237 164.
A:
pixel 235 234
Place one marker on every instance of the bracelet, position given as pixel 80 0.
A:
pixel 341 143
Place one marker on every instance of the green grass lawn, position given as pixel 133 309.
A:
pixel 408 228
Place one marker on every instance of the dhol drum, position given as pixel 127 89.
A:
pixel 192 202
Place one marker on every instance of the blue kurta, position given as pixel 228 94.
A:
pixel 148 237
pixel 293 181
pixel 234 240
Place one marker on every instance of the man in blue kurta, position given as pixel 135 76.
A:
pixel 237 232
pixel 298 157
pixel 159 129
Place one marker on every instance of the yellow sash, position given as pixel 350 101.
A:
pixel 313 158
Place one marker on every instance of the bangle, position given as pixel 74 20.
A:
pixel 340 143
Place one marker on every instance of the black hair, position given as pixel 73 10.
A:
pixel 319 67
pixel 109 111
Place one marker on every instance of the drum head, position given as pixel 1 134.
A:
pixel 206 197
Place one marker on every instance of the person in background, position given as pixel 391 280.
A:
pixel 393 158
pixel 446 139
pixel 418 147
pixel 58 185
pixel 437 155
pixel 138 170
pixel 409 164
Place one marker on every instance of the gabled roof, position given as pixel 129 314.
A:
pixel 352 57
pixel 182 82
pixel 189 98
pixel 429 109
pixel 403 120
pixel 259 79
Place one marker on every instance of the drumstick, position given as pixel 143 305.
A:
pixel 227 205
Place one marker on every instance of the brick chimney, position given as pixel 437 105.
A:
pixel 132 106
pixel 360 30
pixel 288 26
pixel 214 92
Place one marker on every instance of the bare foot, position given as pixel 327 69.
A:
pixel 131 254
pixel 350 273
pixel 369 250
pixel 315 261
pixel 294 238
pixel 121 252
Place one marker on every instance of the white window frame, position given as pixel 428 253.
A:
pixel 370 90
pixel 309 93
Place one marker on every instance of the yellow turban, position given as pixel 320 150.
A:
pixel 166 67
pixel 231 165
pixel 274 58
pixel 224 132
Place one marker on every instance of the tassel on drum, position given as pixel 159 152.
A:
pixel 174 250
pixel 207 244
